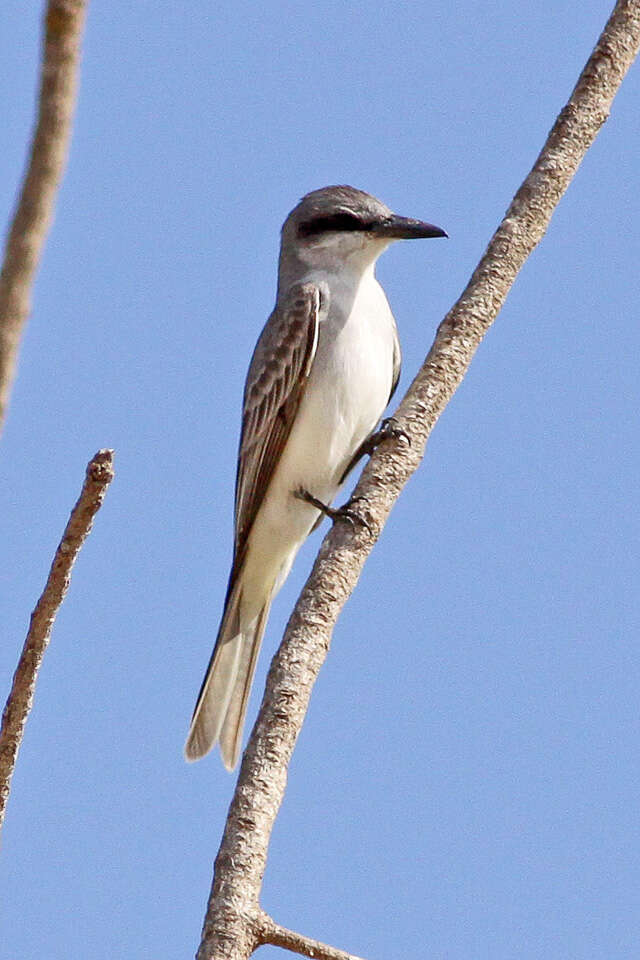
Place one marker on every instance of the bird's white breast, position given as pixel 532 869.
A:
pixel 348 386
pixel 345 396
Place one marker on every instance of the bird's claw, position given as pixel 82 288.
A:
pixel 344 513
pixel 390 429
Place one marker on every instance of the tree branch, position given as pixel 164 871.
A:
pixel 98 477
pixel 231 928
pixel 63 25
pixel 271 932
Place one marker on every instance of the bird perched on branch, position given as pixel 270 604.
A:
pixel 323 371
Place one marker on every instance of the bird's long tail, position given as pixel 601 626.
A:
pixel 222 703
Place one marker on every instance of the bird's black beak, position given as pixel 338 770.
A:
pixel 406 228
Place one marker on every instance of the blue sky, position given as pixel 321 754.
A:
pixel 466 784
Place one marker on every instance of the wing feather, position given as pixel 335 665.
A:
pixel 275 384
pixel 397 363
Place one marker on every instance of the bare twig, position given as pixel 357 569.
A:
pixel 271 932
pixel 63 25
pixel 231 929
pixel 99 476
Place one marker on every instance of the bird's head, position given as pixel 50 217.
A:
pixel 337 227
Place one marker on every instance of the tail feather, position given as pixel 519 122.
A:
pixel 231 732
pixel 217 686
pixel 222 702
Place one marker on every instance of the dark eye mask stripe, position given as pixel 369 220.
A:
pixel 338 222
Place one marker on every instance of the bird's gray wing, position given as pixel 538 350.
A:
pixel 397 363
pixel 275 384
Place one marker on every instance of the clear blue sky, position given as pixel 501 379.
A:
pixel 467 784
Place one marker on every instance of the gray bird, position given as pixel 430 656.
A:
pixel 323 371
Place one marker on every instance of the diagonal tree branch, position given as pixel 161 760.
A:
pixel 63 23
pixel 232 928
pixel 271 932
pixel 98 477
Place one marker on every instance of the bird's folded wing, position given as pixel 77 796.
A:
pixel 275 384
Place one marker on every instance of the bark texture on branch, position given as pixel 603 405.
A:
pixel 98 477
pixel 272 933
pixel 232 928
pixel 63 23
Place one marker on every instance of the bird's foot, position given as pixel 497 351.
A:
pixel 389 429
pixel 345 513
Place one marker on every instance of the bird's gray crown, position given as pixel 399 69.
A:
pixel 340 208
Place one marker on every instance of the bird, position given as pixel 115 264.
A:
pixel 322 373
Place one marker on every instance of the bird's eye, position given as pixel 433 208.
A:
pixel 337 222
